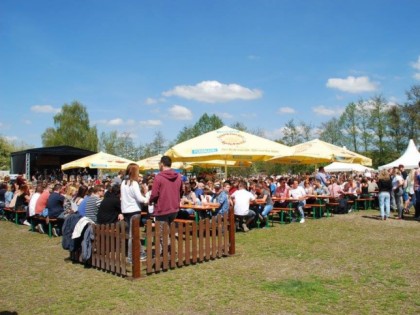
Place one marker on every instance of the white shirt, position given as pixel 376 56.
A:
pixel 242 198
pixel 131 197
pixel 32 203
pixel 396 181
pixel 298 192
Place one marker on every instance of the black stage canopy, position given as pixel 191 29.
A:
pixel 41 160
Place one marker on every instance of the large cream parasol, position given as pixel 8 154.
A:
pixel 100 160
pixel 317 151
pixel 227 144
pixel 219 163
pixel 152 163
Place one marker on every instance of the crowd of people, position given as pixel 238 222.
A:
pixel 164 196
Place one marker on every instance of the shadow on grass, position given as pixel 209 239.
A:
pixel 372 217
pixel 314 289
pixel 378 218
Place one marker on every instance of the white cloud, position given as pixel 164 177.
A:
pixel 115 122
pixel 151 101
pixel 286 110
pixel 416 65
pixel 150 123
pixel 324 111
pixel 45 109
pixel 352 84
pixel 225 115
pixel 27 122
pixel 417 76
pixel 179 112
pixel 213 92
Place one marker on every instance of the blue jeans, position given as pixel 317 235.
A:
pixel 266 211
pixel 397 195
pixel 299 207
pixel 385 203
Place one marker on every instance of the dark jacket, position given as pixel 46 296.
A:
pixel 385 185
pixel 166 192
pixel 55 205
pixel 68 226
pixel 88 237
pixel 109 210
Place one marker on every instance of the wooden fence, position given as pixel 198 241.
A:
pixel 109 249
pixel 172 246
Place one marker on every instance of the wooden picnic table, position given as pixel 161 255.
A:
pixel 289 208
pixel 210 206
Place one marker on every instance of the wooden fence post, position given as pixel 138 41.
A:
pixel 232 228
pixel 135 241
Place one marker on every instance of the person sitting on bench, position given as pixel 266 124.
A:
pixel 242 199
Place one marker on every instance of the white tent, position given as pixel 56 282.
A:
pixel 410 159
pixel 346 167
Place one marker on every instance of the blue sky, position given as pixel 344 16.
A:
pixel 147 66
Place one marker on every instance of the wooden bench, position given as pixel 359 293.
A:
pixel 14 213
pixel 185 221
pixel 332 207
pixel 46 220
pixel 313 207
pixel 367 202
pixel 281 211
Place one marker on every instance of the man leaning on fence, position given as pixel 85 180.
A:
pixel 166 193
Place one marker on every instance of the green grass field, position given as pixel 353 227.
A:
pixel 348 264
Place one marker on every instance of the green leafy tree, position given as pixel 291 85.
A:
pixel 363 124
pixel 6 148
pixel 291 134
pixel 396 132
pixel 378 126
pixel 127 148
pixel 109 142
pixel 331 132
pixel 411 114
pixel 349 124
pixel 158 143
pixel 205 124
pixel 307 131
pixel 72 128
pixel 239 126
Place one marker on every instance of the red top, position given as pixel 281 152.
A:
pixel 166 192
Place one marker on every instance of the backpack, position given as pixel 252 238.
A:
pixel 342 206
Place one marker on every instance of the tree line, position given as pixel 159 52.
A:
pixel 374 127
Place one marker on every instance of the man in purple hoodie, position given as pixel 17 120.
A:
pixel 166 193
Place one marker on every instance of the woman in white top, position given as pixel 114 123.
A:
pixel 131 199
pixel 411 201
pixel 397 190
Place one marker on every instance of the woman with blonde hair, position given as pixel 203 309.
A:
pixel 70 193
pixel 385 188
pixel 131 199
